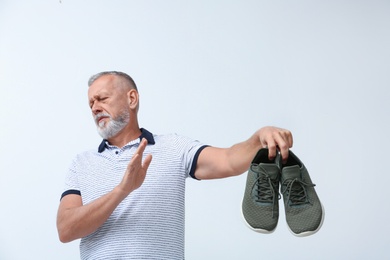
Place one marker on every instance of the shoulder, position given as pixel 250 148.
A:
pixel 175 140
pixel 170 137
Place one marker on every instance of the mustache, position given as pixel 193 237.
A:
pixel 97 117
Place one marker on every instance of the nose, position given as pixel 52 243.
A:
pixel 96 109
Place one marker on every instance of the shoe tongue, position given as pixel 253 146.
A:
pixel 271 168
pixel 291 172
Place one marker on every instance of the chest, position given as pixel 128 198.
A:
pixel 165 176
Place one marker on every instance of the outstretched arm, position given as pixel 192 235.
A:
pixel 75 220
pixel 216 162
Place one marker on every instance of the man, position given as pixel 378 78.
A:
pixel 125 205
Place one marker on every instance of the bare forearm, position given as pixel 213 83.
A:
pixel 78 222
pixel 216 163
pixel 240 155
pixel 275 139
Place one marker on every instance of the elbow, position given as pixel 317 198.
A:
pixel 64 233
pixel 63 239
pixel 64 236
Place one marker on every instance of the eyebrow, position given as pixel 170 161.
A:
pixel 92 99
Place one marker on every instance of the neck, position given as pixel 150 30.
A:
pixel 127 134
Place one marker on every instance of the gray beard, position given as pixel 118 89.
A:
pixel 114 125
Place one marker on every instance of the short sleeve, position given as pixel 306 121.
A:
pixel 191 150
pixel 71 181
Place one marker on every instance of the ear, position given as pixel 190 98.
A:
pixel 132 98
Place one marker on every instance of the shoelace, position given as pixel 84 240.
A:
pixel 296 191
pixel 265 189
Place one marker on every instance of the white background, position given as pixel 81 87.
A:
pixel 215 71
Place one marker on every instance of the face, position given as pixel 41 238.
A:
pixel 109 105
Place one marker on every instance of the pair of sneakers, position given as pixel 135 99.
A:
pixel 260 206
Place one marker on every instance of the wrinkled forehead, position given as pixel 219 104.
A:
pixel 104 84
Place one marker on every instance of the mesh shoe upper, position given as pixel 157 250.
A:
pixel 260 206
pixel 304 212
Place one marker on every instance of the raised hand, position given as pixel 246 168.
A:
pixel 136 170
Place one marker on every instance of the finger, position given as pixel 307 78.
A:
pixel 290 140
pixel 142 146
pixel 283 144
pixel 284 153
pixel 137 157
pixel 134 164
pixel 147 161
pixel 271 149
pixel 287 136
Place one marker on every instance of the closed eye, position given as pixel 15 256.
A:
pixel 98 99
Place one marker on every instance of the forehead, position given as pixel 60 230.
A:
pixel 104 85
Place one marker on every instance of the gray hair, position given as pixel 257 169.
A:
pixel 123 75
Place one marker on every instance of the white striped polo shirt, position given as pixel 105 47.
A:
pixel 149 223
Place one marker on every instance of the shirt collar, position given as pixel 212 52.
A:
pixel 144 134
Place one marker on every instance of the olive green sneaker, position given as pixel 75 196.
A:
pixel 260 207
pixel 304 211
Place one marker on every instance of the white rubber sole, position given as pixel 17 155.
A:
pixel 303 234
pixel 258 230
pixel 309 233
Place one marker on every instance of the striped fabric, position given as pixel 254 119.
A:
pixel 149 223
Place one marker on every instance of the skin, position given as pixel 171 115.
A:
pixel 109 94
